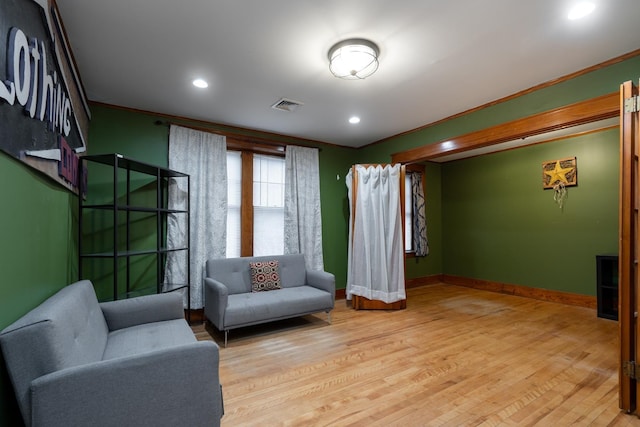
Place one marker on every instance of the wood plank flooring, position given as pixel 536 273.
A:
pixel 454 357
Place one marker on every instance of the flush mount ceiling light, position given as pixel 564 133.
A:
pixel 580 10
pixel 353 59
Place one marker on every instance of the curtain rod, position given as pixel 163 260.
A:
pixel 240 137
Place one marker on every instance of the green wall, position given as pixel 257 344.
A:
pixel 500 225
pixel 37 252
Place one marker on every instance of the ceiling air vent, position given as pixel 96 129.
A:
pixel 286 105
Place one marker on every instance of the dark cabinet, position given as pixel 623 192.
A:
pixel 123 213
pixel 607 286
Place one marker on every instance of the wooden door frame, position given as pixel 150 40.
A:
pixel 580 113
pixel 628 252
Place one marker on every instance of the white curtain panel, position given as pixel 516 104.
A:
pixel 203 156
pixel 349 182
pixel 302 213
pixel 376 256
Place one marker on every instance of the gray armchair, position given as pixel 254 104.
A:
pixel 75 362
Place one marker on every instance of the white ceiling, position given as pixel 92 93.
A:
pixel 438 58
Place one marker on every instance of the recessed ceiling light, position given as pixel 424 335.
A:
pixel 199 83
pixel 580 10
pixel 354 120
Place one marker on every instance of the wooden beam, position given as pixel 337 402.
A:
pixel 600 108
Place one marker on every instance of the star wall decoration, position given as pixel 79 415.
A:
pixel 563 171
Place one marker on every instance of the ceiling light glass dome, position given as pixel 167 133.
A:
pixel 353 59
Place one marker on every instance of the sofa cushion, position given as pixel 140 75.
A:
pixel 265 276
pixel 253 308
pixel 292 270
pixel 148 337
pixel 233 272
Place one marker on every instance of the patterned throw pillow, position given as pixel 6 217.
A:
pixel 265 276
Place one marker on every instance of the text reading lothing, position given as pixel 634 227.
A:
pixel 40 93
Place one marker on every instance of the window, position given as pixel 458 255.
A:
pixel 408 206
pixel 268 205
pixel 255 217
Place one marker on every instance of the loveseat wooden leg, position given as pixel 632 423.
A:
pixel 329 317
pixel 226 335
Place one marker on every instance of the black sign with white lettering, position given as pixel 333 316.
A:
pixel 36 114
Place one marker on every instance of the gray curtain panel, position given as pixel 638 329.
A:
pixel 302 219
pixel 202 155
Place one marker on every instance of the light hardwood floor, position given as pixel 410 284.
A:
pixel 455 357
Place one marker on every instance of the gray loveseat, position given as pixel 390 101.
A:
pixel 229 302
pixel 133 362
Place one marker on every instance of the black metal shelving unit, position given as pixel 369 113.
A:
pixel 116 200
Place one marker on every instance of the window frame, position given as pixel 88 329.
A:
pixel 247 150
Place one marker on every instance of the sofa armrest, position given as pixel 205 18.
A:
pixel 216 295
pixel 145 309
pixel 174 386
pixel 322 280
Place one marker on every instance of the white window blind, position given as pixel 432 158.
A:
pixel 268 205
